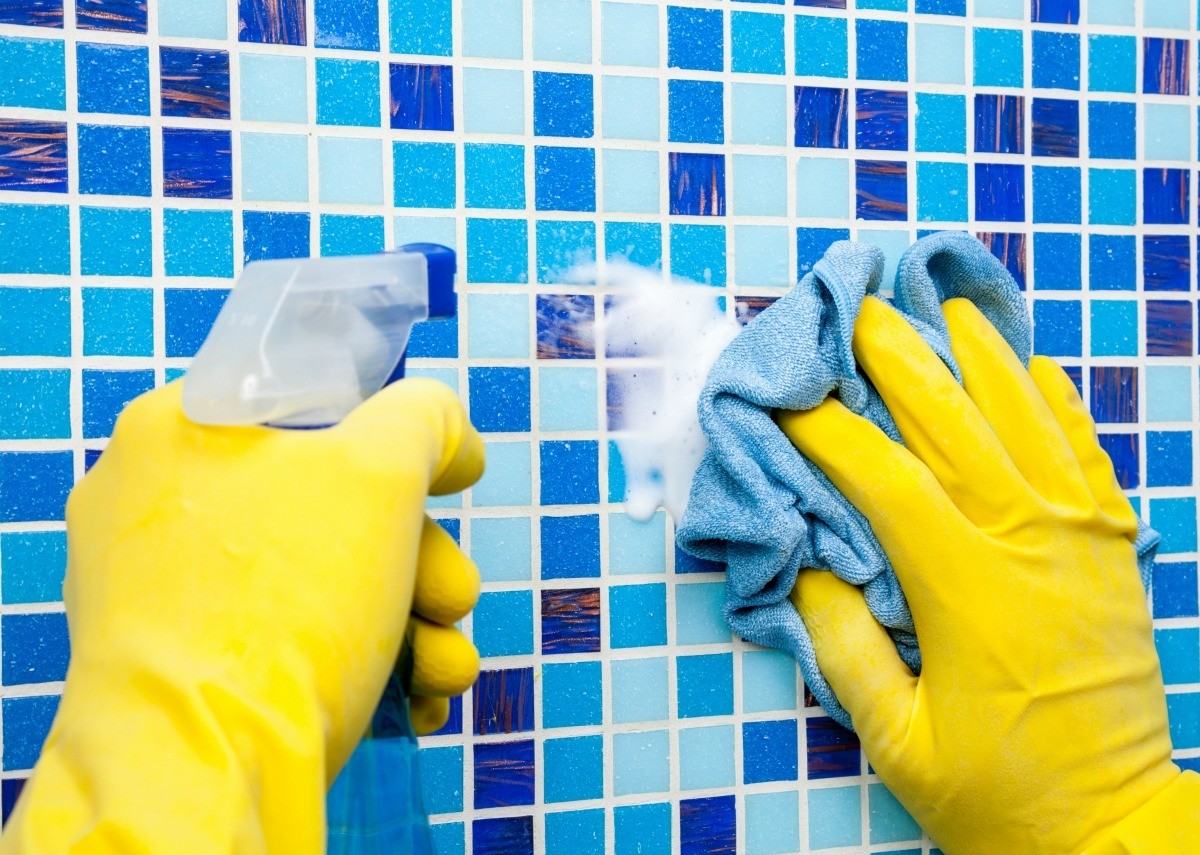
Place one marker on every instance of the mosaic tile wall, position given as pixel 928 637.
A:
pixel 148 150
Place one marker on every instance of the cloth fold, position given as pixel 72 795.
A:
pixel 766 511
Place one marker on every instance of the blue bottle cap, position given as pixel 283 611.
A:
pixel 442 264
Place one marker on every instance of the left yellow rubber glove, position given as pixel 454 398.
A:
pixel 237 598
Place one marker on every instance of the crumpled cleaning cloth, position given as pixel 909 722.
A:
pixel 766 511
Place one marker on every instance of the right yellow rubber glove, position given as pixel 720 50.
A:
pixel 1039 721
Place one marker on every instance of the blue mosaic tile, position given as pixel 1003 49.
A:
pixel 563 104
pixel 1165 64
pixel 571 621
pixel 695 111
pixel 113 160
pixel 881 120
pixel 1175 592
pixel 1169 328
pixel 697 184
pixel 36 648
pixel 113 78
pixel 280 22
pixel 695 38
pixel 1112 130
pixel 1165 196
pixel 1054 11
pixel 881 189
pixel 1122 449
pixel 197 163
pixel 564 326
pixel 503 701
pixel 821 117
pixel 832 751
pixel 33 155
pixel 504 774
pixel 347 24
pixel 1055 60
pixel 32 13
pixel 564 178
pixel 195 83
pixel 1114 397
pixel 1000 124
pixel 770 751
pixel 122 16
pixel 422 97
pixel 570 548
pixel 1000 192
pixel 882 49
pixel 708 826
pixel 1167 263
pixel 1055 124
pixel 1011 250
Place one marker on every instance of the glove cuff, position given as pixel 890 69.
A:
pixel 1168 824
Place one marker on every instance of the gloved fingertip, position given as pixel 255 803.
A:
pixel 428 714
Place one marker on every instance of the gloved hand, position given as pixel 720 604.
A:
pixel 237 598
pixel 1039 722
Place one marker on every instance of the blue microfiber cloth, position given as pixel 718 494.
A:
pixel 763 509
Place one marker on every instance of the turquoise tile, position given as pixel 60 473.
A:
pixel 442 778
pixel 33 73
pixel 823 187
pixel 1114 328
pixel 629 34
pixel 492 28
pixel 38 239
pixel 1179 654
pixel 1168 393
pixel 631 181
pixel 501 548
pixel 1112 199
pixel 502 623
pixel 643 829
pixel 699 613
pixel 449 838
pixel 580 832
pixel 636 547
pixel 760 112
pixel 572 694
pixel 348 92
pixel 115 242
pixel 198 243
pixel 273 88
pixel 573 768
pixel 567 399
pixel 421 27
pixel 1112 63
pixel 274 167
pixel 999 57
pixel 498 326
pixel 942 192
pixel 641 763
pixel 772 823
pixel 768 681
pixel 493 101
pixel 759 186
pixel 506 481
pixel 562 30
pixel 194 19
pixel 706 757
pixel 1167 132
pixel 761 256
pixel 941 123
pixel 941 54
pixel 639 690
pixel 820 45
pixel 889 821
pixel 35 404
pixel 629 108
pixel 834 817
pixel 118 322
pixel 351 170
pixel 757 45
pixel 32 566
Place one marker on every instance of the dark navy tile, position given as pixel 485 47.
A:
pixel 422 97
pixel 1165 66
pixel 697 184
pixel 503 701
pixel 509 835
pixel 190 313
pixel 1169 328
pixel 1114 394
pixel 708 826
pixel 1000 192
pixel 811 245
pixel 685 563
pixel 499 399
pixel 564 178
pixel 33 155
pixel 32 13
pixel 747 308
pixel 1000 124
pixel 571 621
pixel 36 648
pixel 105 394
pixel 1112 130
pixel 821 117
pixel 197 163
pixel 1075 374
pixel 570 547
pixel 454 722
pixel 122 16
pixel 564 326
pixel 114 160
pixel 10 791
pixel 504 774
pixel 1122 449
pixel 1166 263
pixel 696 111
pixel 34 485
pixel 1055 127
pixel 113 78
pixel 1165 195
pixel 195 83
pixel 881 189
pixel 277 22
pixel 695 38
pixel 1010 248
pixel 770 751
pixel 833 751
pixel 563 105
pixel 1054 11
pixel 881 120
pixel 569 472
pixel 90 456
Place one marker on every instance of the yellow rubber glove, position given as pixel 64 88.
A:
pixel 1039 721
pixel 236 599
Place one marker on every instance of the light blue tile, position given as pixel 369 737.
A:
pixel 629 34
pixel 454 500
pixel 197 19
pixel 631 184
pixel 1000 9
pixel 639 690
pixel 506 480
pixel 889 821
pixel 768 681
pixel 491 28
pixel 1115 12
pixel 823 187
pixel 445 376
pixel 1168 14
pixel 274 167
pixel 1168 393
pixel 772 823
pixel 760 257
pixel 351 170
pixel 630 107
pixel 1167 132
pixel 706 757
pixel 273 88
pixel 637 547
pixel 759 186
pixel 567 398
pixel 698 614
pixel 493 101
pixel 760 113
pixel 498 326
pixel 834 817
pixel 562 30
pixel 641 763
pixel 425 230
pixel 501 548
pixel 941 54
pixel 893 243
